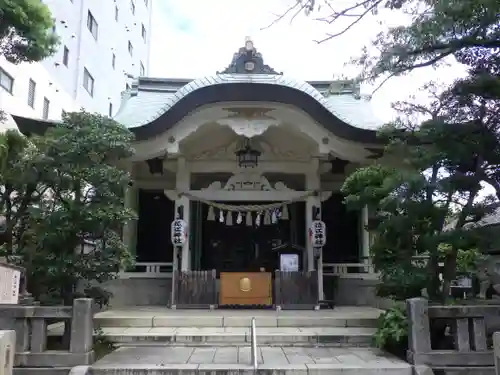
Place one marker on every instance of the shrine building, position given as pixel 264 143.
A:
pixel 249 159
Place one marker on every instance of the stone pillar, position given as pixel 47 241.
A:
pixel 365 236
pixel 130 228
pixel 7 350
pixel 183 184
pixel 82 326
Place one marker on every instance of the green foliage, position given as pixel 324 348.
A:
pixel 26 31
pixel 400 283
pixel 68 232
pixel 102 346
pixel 392 329
pixel 437 30
pixel 432 196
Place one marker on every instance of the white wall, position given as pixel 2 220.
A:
pixel 63 85
pixel 17 102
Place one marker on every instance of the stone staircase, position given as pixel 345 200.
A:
pixel 223 328
pixel 207 342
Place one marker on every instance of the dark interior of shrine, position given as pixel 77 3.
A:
pixel 239 247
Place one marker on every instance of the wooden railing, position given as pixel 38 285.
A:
pixel 148 270
pixel 30 324
pixel 194 289
pixel 465 330
pixel 296 290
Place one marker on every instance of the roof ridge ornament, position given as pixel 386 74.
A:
pixel 248 61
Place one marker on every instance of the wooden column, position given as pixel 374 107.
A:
pixel 182 206
pixel 130 228
pixel 365 236
pixel 313 212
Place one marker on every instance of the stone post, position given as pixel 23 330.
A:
pixel 419 334
pixel 496 351
pixel 82 326
pixel 7 351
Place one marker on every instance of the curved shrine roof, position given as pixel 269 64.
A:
pixel 154 105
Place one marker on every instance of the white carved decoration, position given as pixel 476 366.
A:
pixel 247 181
pixel 248 127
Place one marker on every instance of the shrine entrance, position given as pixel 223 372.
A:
pixel 246 245
pixel 245 249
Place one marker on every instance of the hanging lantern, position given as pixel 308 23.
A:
pixel 247 156
pixel 179 232
pixel 317 234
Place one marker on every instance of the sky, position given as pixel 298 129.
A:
pixel 195 38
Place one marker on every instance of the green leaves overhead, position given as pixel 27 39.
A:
pixel 26 31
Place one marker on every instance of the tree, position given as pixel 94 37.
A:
pixel 438 29
pixel 72 233
pixel 18 189
pixel 26 31
pixel 430 198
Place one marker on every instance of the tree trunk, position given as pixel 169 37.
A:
pixel 435 283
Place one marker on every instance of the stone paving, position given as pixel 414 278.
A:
pixel 320 359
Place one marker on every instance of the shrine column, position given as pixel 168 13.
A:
pixel 365 237
pixel 182 204
pixel 130 228
pixel 313 212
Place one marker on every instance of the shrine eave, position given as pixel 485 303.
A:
pixel 170 108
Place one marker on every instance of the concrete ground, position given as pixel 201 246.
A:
pixel 238 358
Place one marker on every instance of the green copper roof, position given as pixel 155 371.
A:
pixel 151 98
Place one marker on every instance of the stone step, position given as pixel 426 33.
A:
pixel 220 321
pixel 237 359
pixel 339 336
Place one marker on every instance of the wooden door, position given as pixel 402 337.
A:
pixel 245 288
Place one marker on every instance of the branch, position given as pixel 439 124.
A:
pixel 290 9
pixel 353 23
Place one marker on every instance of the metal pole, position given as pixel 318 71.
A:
pixel 253 333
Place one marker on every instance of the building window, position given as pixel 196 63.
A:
pixel 88 82
pixel 110 110
pixel 113 61
pixel 143 32
pixel 46 108
pixel 130 48
pixel 31 93
pixel 65 56
pixel 143 71
pixel 116 13
pixel 132 6
pixel 92 25
pixel 127 87
pixel 6 81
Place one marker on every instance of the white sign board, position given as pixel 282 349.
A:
pixel 9 285
pixel 289 262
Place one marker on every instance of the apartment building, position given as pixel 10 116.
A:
pixel 103 44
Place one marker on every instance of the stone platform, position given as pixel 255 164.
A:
pixel 236 359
